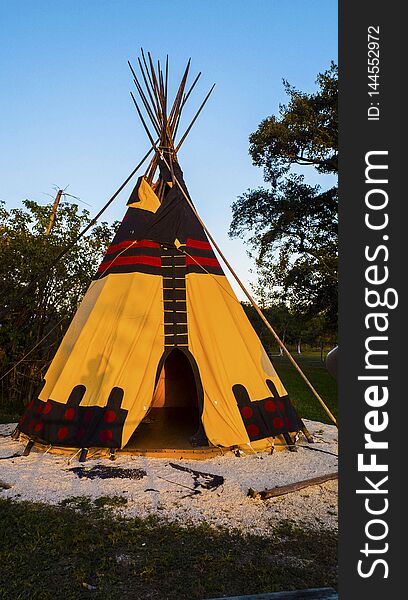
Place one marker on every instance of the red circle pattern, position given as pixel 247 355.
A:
pixel 253 429
pixel 110 416
pixel 278 423
pixel 105 435
pixel 247 412
pixel 62 433
pixel 69 414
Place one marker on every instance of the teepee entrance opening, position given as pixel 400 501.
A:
pixel 174 415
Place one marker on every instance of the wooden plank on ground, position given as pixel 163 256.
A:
pixel 4 485
pixel 291 487
pixel 311 594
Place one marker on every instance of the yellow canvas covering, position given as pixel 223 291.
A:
pixel 120 324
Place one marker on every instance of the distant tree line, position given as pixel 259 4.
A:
pixel 298 334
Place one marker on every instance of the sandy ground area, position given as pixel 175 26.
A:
pixel 218 494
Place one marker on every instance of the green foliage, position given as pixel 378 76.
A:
pixel 292 226
pixel 305 133
pixel 26 253
pixel 293 231
pixel 313 333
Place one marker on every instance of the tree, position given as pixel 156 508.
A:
pixel 305 133
pixel 292 226
pixel 46 310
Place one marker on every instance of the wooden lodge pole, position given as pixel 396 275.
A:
pixel 53 214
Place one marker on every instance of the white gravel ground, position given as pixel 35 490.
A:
pixel 167 492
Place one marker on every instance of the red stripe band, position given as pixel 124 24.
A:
pixel 198 244
pixel 132 244
pixel 202 261
pixel 154 261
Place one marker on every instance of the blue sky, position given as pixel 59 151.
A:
pixel 66 116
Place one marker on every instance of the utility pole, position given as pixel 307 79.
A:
pixel 54 211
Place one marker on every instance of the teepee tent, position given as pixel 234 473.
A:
pixel 160 337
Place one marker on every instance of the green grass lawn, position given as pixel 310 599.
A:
pixel 49 553
pixel 302 398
